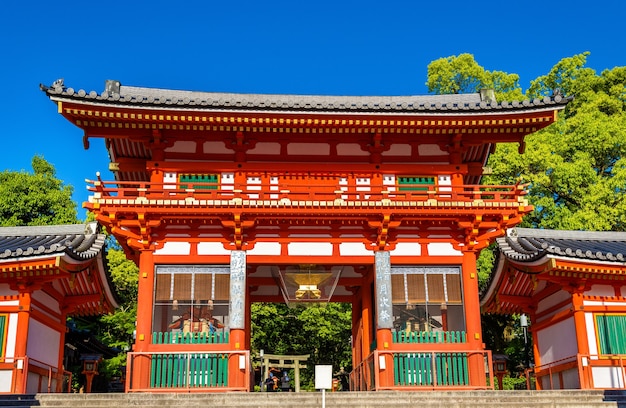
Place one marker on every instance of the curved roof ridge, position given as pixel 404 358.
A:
pixel 78 241
pixel 526 244
pixel 46 229
pixel 115 93
pixel 568 234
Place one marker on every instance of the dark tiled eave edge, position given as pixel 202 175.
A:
pixel 529 245
pixel 526 245
pixel 174 99
pixel 78 241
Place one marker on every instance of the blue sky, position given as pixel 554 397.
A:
pixel 292 47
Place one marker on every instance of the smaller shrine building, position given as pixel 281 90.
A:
pixel 47 274
pixel 572 286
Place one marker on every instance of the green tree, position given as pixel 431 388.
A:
pixel 38 198
pixel 116 329
pixel 462 74
pixel 575 169
pixel 321 330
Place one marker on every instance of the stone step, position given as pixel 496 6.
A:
pixel 434 399
pixel 17 400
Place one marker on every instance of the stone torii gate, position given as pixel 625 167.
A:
pixel 282 361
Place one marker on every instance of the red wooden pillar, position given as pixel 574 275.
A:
pixel 581 336
pixel 536 354
pixel 237 373
pixel 384 318
pixel 472 319
pixel 21 341
pixel 59 379
pixel 140 374
pixel 357 312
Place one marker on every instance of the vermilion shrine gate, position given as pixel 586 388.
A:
pixel 228 199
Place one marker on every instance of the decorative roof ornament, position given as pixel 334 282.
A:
pixel 58 85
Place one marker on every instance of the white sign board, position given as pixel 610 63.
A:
pixel 323 377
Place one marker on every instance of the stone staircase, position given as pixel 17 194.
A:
pixel 424 399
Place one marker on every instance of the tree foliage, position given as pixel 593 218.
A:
pixel 321 330
pixel 575 169
pixel 37 198
pixel 116 329
pixel 462 74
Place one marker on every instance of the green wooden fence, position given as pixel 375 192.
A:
pixel 189 338
pixel 430 337
pixel 430 369
pixel 189 370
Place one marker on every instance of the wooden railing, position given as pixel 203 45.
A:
pixel 38 376
pixel 585 371
pixel 420 370
pixel 189 338
pixel 429 337
pixel 185 371
pixel 289 192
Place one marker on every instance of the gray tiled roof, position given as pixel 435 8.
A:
pixel 80 241
pixel 528 245
pixel 175 99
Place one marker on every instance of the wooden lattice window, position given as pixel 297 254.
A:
pixel 198 181
pixel 191 283
pixel 611 329
pixel 415 183
pixel 419 285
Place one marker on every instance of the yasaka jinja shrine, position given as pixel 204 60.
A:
pixel 226 199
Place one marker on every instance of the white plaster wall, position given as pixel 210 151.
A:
pixel 570 379
pixel 607 377
pixel 212 248
pixel 174 248
pixel 603 303
pixel 442 249
pixel 38 383
pixel 552 300
pixel 558 341
pixel 591 333
pixel 265 148
pixel 5 290
pixel 227 181
pixel 351 149
pixel 407 249
pixel 6 378
pixel 215 147
pixel 354 249
pixel 43 343
pixel 398 149
pixel 601 290
pixel 265 248
pixel 430 150
pixel 253 184
pixel 11 335
pixel 169 180
pixel 48 301
pixel 444 180
pixel 308 149
pixel 182 146
pixel 310 248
